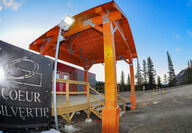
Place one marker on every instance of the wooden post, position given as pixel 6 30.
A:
pixel 67 93
pixel 67 102
pixel 110 114
pixel 88 96
pixel 88 101
pixel 85 79
pixel 68 119
pixel 132 97
pixel 153 95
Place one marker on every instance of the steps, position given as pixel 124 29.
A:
pixel 97 108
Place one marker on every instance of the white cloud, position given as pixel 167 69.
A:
pixel 177 49
pixel 189 33
pixel 1 8
pixel 10 4
pixel 69 3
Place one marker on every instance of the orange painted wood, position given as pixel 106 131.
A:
pixel 86 40
pixel 85 80
pixel 132 97
pixel 110 120
pixel 110 114
pixel 91 40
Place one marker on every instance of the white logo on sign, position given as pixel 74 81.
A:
pixel 15 72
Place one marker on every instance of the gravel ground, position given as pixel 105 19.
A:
pixel 171 114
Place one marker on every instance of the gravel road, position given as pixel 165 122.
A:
pixel 171 114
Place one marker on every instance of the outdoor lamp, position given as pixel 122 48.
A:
pixel 64 25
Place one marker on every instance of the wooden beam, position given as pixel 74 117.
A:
pixel 62 93
pixel 72 116
pixel 72 82
pixel 68 119
pixel 71 108
pixel 121 32
pixel 85 80
pixel 110 114
pixel 100 102
pixel 115 15
pixel 132 97
pixel 97 92
pixel 67 93
pixel 99 29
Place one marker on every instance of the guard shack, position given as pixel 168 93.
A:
pixel 99 35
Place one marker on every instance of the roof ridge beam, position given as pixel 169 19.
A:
pixel 92 22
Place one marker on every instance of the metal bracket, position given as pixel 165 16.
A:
pixel 88 22
pixel 45 39
pixel 106 18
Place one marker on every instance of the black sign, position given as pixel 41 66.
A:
pixel 25 87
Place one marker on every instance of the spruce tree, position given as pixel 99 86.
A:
pixel 171 72
pixel 159 81
pixel 144 72
pixel 128 88
pixel 191 63
pixel 150 73
pixel 128 80
pixel 122 81
pixel 165 78
pixel 138 75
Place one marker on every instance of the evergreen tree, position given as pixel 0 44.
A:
pixel 150 73
pixel 165 78
pixel 122 81
pixel 128 80
pixel 159 81
pixel 191 63
pixel 171 71
pixel 138 75
pixel 128 87
pixel 144 72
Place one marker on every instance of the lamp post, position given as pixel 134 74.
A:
pixel 64 25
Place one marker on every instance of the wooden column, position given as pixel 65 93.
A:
pixel 67 102
pixel 86 80
pixel 67 93
pixel 132 97
pixel 88 102
pixel 110 114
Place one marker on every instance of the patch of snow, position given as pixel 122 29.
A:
pixel 88 120
pixel 121 113
pixel 69 129
pixel 155 102
pixel 51 131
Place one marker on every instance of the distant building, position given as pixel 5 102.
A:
pixel 67 72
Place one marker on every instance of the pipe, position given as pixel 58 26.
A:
pixel 55 76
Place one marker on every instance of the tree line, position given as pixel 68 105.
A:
pixel 147 76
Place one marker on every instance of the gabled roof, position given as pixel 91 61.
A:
pixel 83 44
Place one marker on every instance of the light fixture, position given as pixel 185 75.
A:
pixel 66 23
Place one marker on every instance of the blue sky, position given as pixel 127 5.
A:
pixel 157 26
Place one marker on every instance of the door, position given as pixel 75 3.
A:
pixel 66 77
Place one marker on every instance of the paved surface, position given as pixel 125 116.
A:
pixel 172 114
